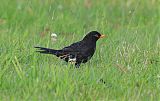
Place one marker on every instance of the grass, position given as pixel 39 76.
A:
pixel 126 65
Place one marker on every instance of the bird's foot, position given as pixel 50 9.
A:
pixel 77 65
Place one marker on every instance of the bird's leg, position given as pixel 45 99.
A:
pixel 77 65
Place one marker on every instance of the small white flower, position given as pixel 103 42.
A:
pixel 53 37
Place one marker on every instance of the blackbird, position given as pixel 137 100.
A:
pixel 77 53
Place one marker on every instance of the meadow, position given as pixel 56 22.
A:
pixel 125 67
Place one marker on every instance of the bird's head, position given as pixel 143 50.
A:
pixel 94 36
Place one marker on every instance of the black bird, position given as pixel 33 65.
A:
pixel 79 52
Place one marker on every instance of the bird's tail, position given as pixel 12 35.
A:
pixel 47 51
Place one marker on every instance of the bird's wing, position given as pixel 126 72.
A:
pixel 75 47
pixel 70 53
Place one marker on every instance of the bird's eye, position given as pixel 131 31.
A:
pixel 96 36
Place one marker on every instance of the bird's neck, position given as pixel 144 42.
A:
pixel 90 42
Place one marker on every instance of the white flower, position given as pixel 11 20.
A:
pixel 53 37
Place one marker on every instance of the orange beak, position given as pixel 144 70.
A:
pixel 102 36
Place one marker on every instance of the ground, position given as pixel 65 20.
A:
pixel 126 65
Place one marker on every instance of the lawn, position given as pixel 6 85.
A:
pixel 125 67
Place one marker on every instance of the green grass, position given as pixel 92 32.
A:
pixel 126 65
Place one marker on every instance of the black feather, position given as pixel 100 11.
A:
pixel 79 52
pixel 46 50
